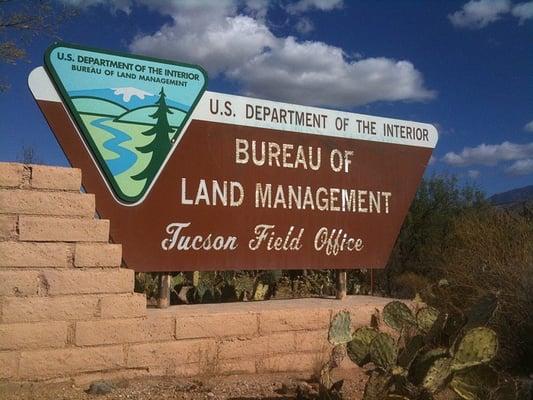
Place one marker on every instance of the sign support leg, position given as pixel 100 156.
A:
pixel 371 282
pixel 163 295
pixel 340 284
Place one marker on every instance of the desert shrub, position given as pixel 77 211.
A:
pixel 426 231
pixel 409 284
pixel 423 355
pixel 492 253
pixel 212 286
pixel 146 282
pixel 296 284
pixel 452 233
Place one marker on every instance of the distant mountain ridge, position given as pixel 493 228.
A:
pixel 519 195
pixel 129 98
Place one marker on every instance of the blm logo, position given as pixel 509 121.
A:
pixel 130 110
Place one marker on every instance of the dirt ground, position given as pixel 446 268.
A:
pixel 256 387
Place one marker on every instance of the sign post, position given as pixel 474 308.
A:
pixel 340 284
pixel 198 180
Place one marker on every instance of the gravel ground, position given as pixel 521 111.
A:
pixel 260 387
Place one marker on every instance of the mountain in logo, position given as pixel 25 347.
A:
pixel 128 97
pixel 130 122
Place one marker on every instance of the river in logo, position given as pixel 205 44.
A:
pixel 131 110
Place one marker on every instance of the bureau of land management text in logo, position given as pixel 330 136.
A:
pixel 131 110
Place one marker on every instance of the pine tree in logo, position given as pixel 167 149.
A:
pixel 160 144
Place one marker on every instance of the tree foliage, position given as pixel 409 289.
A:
pixel 160 144
pixel 427 229
pixel 23 20
pixel 453 235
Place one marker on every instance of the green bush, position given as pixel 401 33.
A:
pixel 492 253
pixel 427 230
pixel 429 353
pixel 452 233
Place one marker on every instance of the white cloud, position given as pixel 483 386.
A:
pixel 232 38
pixel 304 25
pixel 529 127
pixel 490 154
pixel 477 14
pixel 315 73
pixel 432 160
pixel 218 45
pixel 521 167
pixel 523 11
pixel 473 173
pixel 302 6
pixel 244 49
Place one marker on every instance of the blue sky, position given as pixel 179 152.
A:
pixel 466 67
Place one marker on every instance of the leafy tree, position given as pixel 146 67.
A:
pixel 160 144
pixel 427 230
pixel 21 21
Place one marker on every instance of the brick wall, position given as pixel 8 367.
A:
pixel 68 311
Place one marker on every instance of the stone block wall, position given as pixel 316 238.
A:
pixel 68 311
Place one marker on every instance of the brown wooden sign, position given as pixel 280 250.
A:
pixel 249 184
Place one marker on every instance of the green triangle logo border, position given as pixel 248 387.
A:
pixel 91 145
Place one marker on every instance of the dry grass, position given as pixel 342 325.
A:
pixel 492 252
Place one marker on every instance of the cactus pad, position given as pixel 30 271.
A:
pixel 337 355
pixel 438 375
pixel 478 346
pixel 359 346
pixel 384 351
pixel 325 376
pixel 377 386
pixel 398 316
pixel 474 383
pixel 435 333
pixel 426 317
pixel 340 329
pixel 410 351
pixel 423 362
pixel 261 291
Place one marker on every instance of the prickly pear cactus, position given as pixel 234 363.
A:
pixel 438 375
pixel 478 346
pixel 196 278
pixel 340 329
pixel 434 335
pixel 454 326
pixel 260 292
pixel 426 317
pixel 325 376
pixel 377 386
pixel 474 383
pixel 384 351
pixel 398 316
pixel 423 363
pixel 359 346
pixel 410 351
pixel 337 355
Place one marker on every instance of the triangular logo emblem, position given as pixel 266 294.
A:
pixel 131 110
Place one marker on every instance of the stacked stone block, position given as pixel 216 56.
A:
pixel 58 275
pixel 68 311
